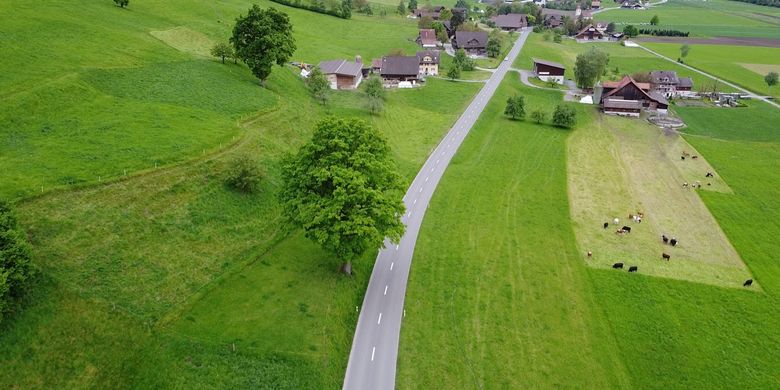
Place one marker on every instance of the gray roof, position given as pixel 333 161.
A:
pixel 471 39
pixel 434 54
pixel 659 98
pixel 657 76
pixel 623 104
pixel 400 66
pixel 510 20
pixel 548 63
pixel 341 67
pixel 685 82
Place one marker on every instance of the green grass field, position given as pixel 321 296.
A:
pixel 168 279
pixel 501 297
pixel 741 65
pixel 713 18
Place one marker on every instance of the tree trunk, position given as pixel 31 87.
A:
pixel 223 60
pixel 346 267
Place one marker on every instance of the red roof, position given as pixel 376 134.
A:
pixel 614 84
pixel 623 83
pixel 428 37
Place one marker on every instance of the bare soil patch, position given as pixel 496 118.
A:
pixel 763 42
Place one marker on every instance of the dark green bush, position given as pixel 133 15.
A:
pixel 243 174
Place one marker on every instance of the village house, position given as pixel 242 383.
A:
pixel 590 33
pixel 473 42
pixel 399 69
pixel 555 18
pixel 376 65
pixel 549 71
pixel 510 22
pixel 429 62
pixel 668 84
pixel 342 74
pixel 595 4
pixel 427 38
pixel 434 12
pixel 627 98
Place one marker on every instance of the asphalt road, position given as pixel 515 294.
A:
pixel 372 361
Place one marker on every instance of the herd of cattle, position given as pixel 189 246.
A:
pixel 666 240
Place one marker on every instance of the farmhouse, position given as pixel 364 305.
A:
pixel 429 62
pixel 595 4
pixel 342 74
pixel 590 33
pixel 668 84
pixel 427 38
pixel 473 42
pixel 549 71
pixel 511 22
pixel 396 69
pixel 554 17
pixel 434 12
pixel 628 91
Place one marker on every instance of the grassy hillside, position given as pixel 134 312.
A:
pixel 713 18
pixel 135 88
pixel 169 278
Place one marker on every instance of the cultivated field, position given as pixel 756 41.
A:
pixel 712 18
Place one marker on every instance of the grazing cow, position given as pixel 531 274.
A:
pixel 665 239
pixel 685 184
pixel 590 254
pixel 673 241
pixel 617 266
pixel 633 268
pixel 709 174
pixel 626 229
pixel 620 231
pixel 694 157
pixel 682 158
pixel 748 283
pixel 616 221
pixel 606 225
pixel 665 256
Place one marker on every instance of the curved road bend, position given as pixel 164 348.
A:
pixel 372 360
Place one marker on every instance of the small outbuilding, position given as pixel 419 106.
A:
pixel 549 71
pixel 427 38
pixel 511 22
pixel 342 74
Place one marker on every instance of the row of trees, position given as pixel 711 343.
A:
pixel 768 3
pixel 340 10
pixel 563 116
pixel 16 268
pixel 663 33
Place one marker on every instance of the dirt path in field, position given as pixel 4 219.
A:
pixel 762 42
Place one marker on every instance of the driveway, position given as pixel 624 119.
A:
pixel 372 360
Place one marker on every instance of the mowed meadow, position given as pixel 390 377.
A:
pixel 167 278
pixel 501 296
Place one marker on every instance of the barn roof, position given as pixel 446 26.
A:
pixel 510 20
pixel 400 66
pixel 549 63
pixel 341 67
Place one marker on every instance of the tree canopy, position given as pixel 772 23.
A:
pixel 122 3
pixel 222 50
pixel 684 50
pixel 630 31
pixel 462 61
pixel 771 79
pixel 15 260
pixel 343 190
pixel 318 85
pixel 263 38
pixel 494 45
pixel 589 67
pixel 375 95
pixel 654 20
pixel 515 107
pixel 564 116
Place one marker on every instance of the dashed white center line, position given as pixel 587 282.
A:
pixel 391 266
pixel 373 350
pixel 415 201
pixel 437 162
pixel 385 290
pixel 378 321
pixel 427 178
pixel 420 189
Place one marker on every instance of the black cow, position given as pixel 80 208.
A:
pixel 748 283
pixel 665 256
pixel 617 266
pixel 682 157
pixel 633 268
pixel 673 241
pixel 626 229
pixel 709 174
pixel 665 239
pixel 606 225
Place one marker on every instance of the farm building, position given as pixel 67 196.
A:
pixel 511 22
pixel 428 61
pixel 629 90
pixel 554 17
pixel 621 107
pixel 590 33
pixel 549 71
pixel 668 84
pixel 396 69
pixel 595 4
pixel 473 42
pixel 427 38
pixel 342 74
pixel 434 12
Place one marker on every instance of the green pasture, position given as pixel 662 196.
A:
pixel 135 88
pixel 745 66
pixel 500 295
pixel 714 18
